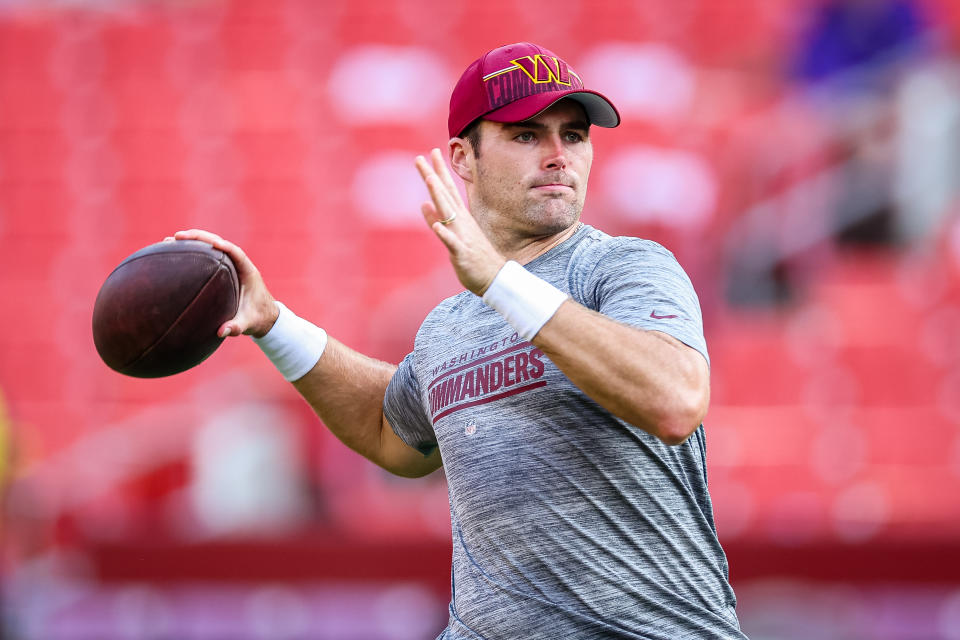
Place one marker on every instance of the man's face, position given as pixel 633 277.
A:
pixel 532 176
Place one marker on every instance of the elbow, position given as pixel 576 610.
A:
pixel 677 422
pixel 676 432
pixel 677 435
pixel 402 473
pixel 409 472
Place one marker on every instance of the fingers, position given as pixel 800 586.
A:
pixel 236 253
pixel 453 243
pixel 198 234
pixel 426 171
pixel 474 258
pixel 235 326
pixel 230 328
pixel 441 207
pixel 257 311
pixel 429 212
pixel 444 203
pixel 440 168
pixel 255 301
pixel 427 208
pixel 446 235
pixel 210 238
pixel 436 169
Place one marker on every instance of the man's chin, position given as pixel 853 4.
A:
pixel 552 220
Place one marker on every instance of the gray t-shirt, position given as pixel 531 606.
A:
pixel 567 521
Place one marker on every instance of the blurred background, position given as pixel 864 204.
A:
pixel 800 157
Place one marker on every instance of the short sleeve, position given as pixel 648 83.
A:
pixel 404 409
pixel 641 284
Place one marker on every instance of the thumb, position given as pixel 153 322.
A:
pixel 235 326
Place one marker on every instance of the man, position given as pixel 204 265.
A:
pixel 563 392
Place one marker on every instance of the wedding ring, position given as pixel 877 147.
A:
pixel 450 219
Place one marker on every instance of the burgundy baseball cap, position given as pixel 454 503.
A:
pixel 516 82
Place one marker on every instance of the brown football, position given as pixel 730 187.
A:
pixel 158 312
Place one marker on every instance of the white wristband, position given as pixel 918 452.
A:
pixel 523 299
pixel 293 344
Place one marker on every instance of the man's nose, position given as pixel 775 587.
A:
pixel 555 156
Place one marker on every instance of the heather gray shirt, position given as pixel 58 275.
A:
pixel 567 521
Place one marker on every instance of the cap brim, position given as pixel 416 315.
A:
pixel 600 111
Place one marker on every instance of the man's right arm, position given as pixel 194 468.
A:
pixel 345 388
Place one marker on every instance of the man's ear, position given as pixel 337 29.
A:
pixel 462 158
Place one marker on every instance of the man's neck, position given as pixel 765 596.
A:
pixel 526 249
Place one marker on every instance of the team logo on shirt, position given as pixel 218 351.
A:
pixel 503 369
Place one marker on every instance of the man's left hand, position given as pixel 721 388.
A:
pixel 475 260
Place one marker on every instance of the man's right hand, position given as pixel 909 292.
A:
pixel 257 311
pixel 345 388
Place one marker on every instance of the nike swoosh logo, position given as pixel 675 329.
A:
pixel 653 314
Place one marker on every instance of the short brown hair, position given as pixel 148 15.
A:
pixel 472 135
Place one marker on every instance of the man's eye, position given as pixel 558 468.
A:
pixel 573 136
pixel 526 136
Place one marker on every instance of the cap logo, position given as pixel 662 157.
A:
pixel 504 87
pixel 555 72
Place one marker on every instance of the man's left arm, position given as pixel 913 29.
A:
pixel 645 377
pixel 648 378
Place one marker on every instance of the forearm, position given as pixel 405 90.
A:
pixel 346 389
pixel 647 378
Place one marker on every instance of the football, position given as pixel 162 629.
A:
pixel 158 312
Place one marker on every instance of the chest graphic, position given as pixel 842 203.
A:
pixel 514 369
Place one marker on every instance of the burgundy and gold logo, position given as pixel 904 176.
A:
pixel 529 75
pixel 503 371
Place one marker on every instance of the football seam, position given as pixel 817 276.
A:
pixel 226 263
pixel 187 251
pixel 173 324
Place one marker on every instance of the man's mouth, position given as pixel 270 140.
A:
pixel 553 185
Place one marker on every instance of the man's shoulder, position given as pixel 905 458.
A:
pixel 453 303
pixel 597 240
pixel 449 309
pixel 598 248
